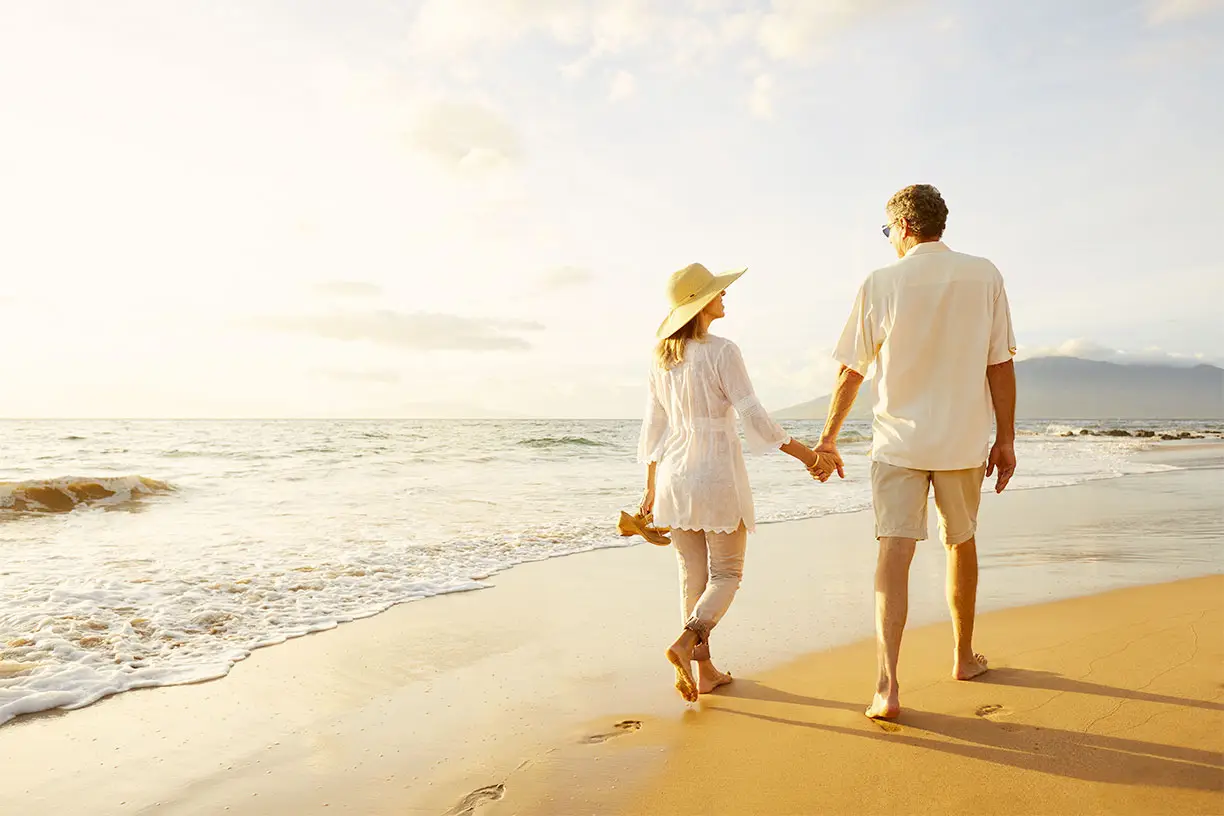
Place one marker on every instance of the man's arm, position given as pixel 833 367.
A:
pixel 848 382
pixel 1002 381
pixel 859 344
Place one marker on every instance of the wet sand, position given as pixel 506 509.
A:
pixel 555 679
pixel 1111 704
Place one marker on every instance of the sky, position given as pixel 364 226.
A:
pixel 265 208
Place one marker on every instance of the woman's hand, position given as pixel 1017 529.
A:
pixel 819 469
pixel 828 461
pixel 827 451
pixel 646 507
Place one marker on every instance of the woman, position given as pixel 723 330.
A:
pixel 696 482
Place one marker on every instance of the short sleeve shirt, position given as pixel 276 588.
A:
pixel 931 322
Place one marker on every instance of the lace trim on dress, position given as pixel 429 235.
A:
pixel 706 528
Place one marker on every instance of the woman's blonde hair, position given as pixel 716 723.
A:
pixel 670 351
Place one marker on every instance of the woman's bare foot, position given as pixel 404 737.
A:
pixel 969 669
pixel 710 678
pixel 680 655
pixel 884 707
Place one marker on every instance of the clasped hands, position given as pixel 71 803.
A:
pixel 827 462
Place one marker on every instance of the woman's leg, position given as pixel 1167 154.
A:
pixel 726 568
pixel 692 553
pixel 693 558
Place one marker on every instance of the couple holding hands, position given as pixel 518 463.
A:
pixel 936 323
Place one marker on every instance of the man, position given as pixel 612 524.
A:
pixel 937 326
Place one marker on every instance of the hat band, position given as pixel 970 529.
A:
pixel 687 299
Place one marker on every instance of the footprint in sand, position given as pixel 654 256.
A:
pixel 988 710
pixel 468 804
pixel 622 727
pixel 891 728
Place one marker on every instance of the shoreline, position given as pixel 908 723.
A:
pixel 1178 454
pixel 1182 454
pixel 426 701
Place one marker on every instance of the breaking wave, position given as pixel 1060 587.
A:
pixel 68 493
pixel 561 442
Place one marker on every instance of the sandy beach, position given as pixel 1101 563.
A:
pixel 343 334
pixel 1106 704
pixel 549 692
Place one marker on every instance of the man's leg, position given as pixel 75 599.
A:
pixel 899 497
pixel 957 496
pixel 892 608
pixel 962 602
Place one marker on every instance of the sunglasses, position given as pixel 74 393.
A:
pixel 886 229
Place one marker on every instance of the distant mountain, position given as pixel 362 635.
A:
pixel 1071 388
pixel 819 407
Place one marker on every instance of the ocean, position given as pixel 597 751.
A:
pixel 146 553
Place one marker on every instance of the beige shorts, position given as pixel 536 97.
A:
pixel 899 496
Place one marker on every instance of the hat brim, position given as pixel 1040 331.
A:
pixel 688 310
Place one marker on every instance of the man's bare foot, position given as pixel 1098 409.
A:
pixel 710 678
pixel 968 670
pixel 680 655
pixel 883 708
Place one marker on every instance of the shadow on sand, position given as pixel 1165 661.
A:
pixel 1074 754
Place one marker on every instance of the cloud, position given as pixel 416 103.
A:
pixel 422 331
pixel 457 33
pixel 1088 350
pixel 618 25
pixel 1173 11
pixel 466 137
pixel 576 70
pixel 760 100
pixel 352 289
pixel 623 86
pixel 457 27
pixel 794 29
pixel 358 376
pixel 565 277
pixel 463 36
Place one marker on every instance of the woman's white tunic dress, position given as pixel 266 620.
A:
pixel 689 429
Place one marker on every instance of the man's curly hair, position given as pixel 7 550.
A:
pixel 922 207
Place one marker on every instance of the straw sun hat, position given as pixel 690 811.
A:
pixel 689 290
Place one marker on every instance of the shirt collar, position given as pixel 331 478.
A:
pixel 927 246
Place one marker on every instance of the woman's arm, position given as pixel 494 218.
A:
pixel 650 442
pixel 760 430
pixel 802 452
pixel 648 498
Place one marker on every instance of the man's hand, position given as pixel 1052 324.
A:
pixel 1003 458
pixel 827 461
